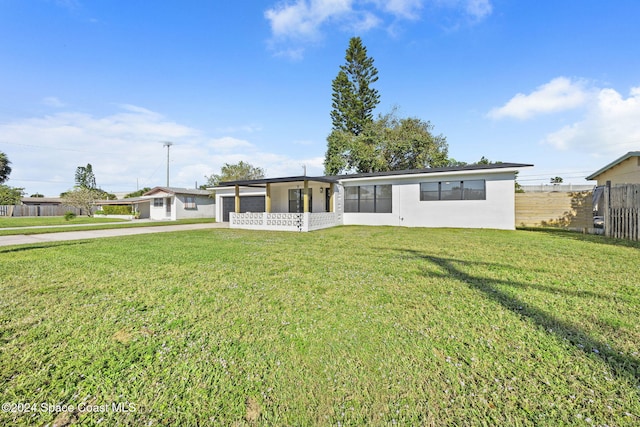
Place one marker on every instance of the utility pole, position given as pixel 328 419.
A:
pixel 167 144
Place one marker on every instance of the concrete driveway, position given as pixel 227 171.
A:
pixel 22 239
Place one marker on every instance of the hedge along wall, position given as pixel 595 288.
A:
pixel 116 210
pixel 573 211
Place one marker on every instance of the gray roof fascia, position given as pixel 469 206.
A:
pixel 337 178
pixel 612 164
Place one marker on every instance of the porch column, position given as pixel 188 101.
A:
pixel 268 199
pixel 306 196
pixel 237 198
pixel 331 199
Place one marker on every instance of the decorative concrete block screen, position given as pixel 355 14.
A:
pixel 283 221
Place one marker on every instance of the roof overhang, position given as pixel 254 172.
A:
pixel 129 201
pixel 444 171
pixel 619 160
pixel 262 183
pixel 490 168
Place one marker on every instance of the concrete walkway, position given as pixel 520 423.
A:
pixel 22 239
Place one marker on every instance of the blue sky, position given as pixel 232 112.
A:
pixel 552 83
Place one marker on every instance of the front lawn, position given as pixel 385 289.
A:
pixel 344 326
pixel 96 224
pixel 42 221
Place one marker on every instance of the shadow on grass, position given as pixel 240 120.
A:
pixel 48 245
pixel 623 366
pixel 592 238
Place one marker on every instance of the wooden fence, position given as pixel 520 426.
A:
pixel 41 210
pixel 568 210
pixel 621 206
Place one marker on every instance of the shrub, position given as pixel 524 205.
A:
pixel 99 212
pixel 68 216
pixel 117 210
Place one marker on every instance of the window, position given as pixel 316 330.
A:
pixel 451 190
pixel 157 202
pixel 473 189
pixel 296 200
pixel 429 191
pixel 190 202
pixel 368 198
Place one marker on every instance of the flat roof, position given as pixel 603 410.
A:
pixel 335 178
pixel 264 181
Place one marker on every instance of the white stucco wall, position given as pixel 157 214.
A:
pixel 205 207
pixel 159 213
pixel 497 211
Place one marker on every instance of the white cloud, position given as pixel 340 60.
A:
pixel 126 151
pixel 559 94
pixel 408 9
pixel 303 18
pixel 611 126
pixel 608 124
pixel 229 143
pixel 302 21
pixel 478 9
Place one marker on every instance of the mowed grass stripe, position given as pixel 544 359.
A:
pixel 350 326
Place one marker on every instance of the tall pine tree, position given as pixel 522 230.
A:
pixel 353 97
pixel 353 100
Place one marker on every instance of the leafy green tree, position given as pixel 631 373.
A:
pixel 85 178
pixel 235 172
pixel 386 144
pixel 5 169
pixel 556 180
pixel 10 195
pixel 82 198
pixel 39 195
pixel 137 193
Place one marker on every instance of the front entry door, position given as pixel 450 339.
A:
pixel 167 203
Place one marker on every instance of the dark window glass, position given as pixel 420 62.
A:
pixel 351 199
pixel 368 198
pixel 383 198
pixel 474 190
pixel 158 202
pixel 451 190
pixel 296 200
pixel 429 191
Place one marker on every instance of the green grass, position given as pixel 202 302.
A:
pixel 345 326
pixel 70 226
pixel 41 221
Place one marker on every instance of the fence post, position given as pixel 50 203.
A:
pixel 607 209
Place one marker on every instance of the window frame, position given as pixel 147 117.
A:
pixel 298 201
pixel 158 202
pixel 372 202
pixel 455 190
pixel 190 202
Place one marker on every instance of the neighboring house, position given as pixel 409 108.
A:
pixel 474 196
pixel 139 205
pixel 624 170
pixel 42 201
pixel 170 203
